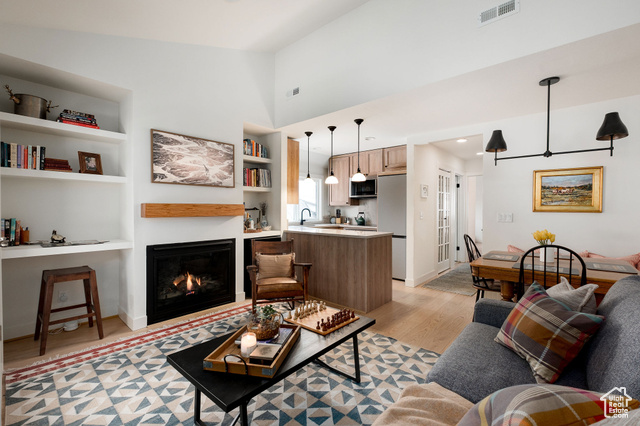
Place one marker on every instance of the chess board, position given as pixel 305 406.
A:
pixel 311 321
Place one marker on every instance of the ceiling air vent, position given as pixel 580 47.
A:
pixel 498 12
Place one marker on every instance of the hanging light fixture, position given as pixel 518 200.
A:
pixel 308 137
pixel 612 128
pixel 358 176
pixel 331 179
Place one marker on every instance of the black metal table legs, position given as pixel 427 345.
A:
pixel 356 359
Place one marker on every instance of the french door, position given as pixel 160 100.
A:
pixel 444 220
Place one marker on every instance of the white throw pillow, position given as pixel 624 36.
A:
pixel 579 299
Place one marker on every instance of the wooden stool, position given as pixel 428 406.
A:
pixel 52 276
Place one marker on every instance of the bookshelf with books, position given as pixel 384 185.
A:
pixel 261 173
pixel 47 196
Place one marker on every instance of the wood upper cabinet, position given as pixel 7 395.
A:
pixel 370 162
pixel 339 193
pixel 293 170
pixel 375 162
pixel 395 158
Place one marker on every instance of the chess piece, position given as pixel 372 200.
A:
pixel 318 326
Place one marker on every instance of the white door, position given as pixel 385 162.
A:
pixel 444 220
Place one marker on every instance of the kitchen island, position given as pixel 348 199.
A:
pixel 351 268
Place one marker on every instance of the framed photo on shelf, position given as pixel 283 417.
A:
pixel 568 190
pixel 90 163
pixel 188 160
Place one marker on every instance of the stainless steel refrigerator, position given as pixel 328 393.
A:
pixel 392 217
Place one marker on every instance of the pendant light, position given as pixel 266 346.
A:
pixel 612 128
pixel 331 179
pixel 308 137
pixel 358 176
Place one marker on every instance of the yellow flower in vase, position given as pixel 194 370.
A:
pixel 544 237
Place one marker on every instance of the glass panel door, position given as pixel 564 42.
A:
pixel 444 220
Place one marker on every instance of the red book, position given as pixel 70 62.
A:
pixel 75 123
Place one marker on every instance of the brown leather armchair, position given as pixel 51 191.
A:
pixel 277 282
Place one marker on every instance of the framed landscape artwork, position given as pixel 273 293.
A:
pixel 568 190
pixel 189 160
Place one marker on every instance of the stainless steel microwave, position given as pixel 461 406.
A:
pixel 366 189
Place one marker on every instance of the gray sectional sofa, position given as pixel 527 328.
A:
pixel 475 366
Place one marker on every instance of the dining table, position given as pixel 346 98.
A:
pixel 504 266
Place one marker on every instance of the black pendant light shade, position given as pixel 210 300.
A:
pixel 308 137
pixel 496 143
pixel 358 176
pixel 612 128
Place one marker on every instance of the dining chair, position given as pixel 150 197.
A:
pixel 480 284
pixel 564 262
pixel 272 272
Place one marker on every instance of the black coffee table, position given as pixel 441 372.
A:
pixel 229 391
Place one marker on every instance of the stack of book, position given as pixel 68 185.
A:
pixel 22 156
pixel 57 165
pixel 257 177
pixel 10 230
pixel 254 149
pixel 78 119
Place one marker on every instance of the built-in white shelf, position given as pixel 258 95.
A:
pixel 262 234
pixel 255 189
pixel 12 172
pixel 256 160
pixel 23 251
pixel 21 122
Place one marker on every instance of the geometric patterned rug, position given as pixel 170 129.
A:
pixel 129 382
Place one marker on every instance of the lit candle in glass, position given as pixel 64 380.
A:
pixel 247 344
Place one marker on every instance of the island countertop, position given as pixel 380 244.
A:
pixel 349 268
pixel 337 232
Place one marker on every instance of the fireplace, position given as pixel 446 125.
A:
pixel 183 278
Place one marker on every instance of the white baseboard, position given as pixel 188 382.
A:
pixel 240 296
pixel 421 279
pixel 133 324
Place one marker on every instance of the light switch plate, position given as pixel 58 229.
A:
pixel 424 191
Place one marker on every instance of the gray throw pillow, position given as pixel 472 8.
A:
pixel 579 299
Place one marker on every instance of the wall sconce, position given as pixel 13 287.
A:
pixel 612 128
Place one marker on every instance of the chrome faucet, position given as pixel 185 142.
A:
pixel 302 215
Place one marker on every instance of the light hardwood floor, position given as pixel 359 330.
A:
pixel 421 317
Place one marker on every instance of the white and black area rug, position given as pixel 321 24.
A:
pixel 130 383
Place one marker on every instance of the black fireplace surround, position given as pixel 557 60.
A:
pixel 183 278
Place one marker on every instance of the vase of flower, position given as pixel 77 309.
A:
pixel 544 238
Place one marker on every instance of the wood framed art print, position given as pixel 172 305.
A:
pixel 568 190
pixel 90 163
pixel 189 160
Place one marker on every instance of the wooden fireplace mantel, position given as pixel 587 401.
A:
pixel 190 210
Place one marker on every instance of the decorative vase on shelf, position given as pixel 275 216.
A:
pixel 264 222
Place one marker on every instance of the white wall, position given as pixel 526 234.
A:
pixel 422 256
pixel 508 186
pixel 192 90
pixel 386 47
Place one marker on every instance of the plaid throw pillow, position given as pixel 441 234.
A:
pixel 546 333
pixel 540 405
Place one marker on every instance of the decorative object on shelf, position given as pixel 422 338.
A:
pixel 568 190
pixel 543 238
pixel 308 137
pixel 180 159
pixel 265 322
pixel 57 238
pixel 331 179
pixel 78 119
pixel 29 105
pixel 612 128
pixel 248 343
pixel 358 176
pixel 263 211
pixel 90 163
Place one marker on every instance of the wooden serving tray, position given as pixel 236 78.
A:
pixel 311 321
pixel 215 361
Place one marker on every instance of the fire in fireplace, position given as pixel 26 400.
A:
pixel 184 278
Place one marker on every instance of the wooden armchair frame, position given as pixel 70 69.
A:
pixel 277 247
